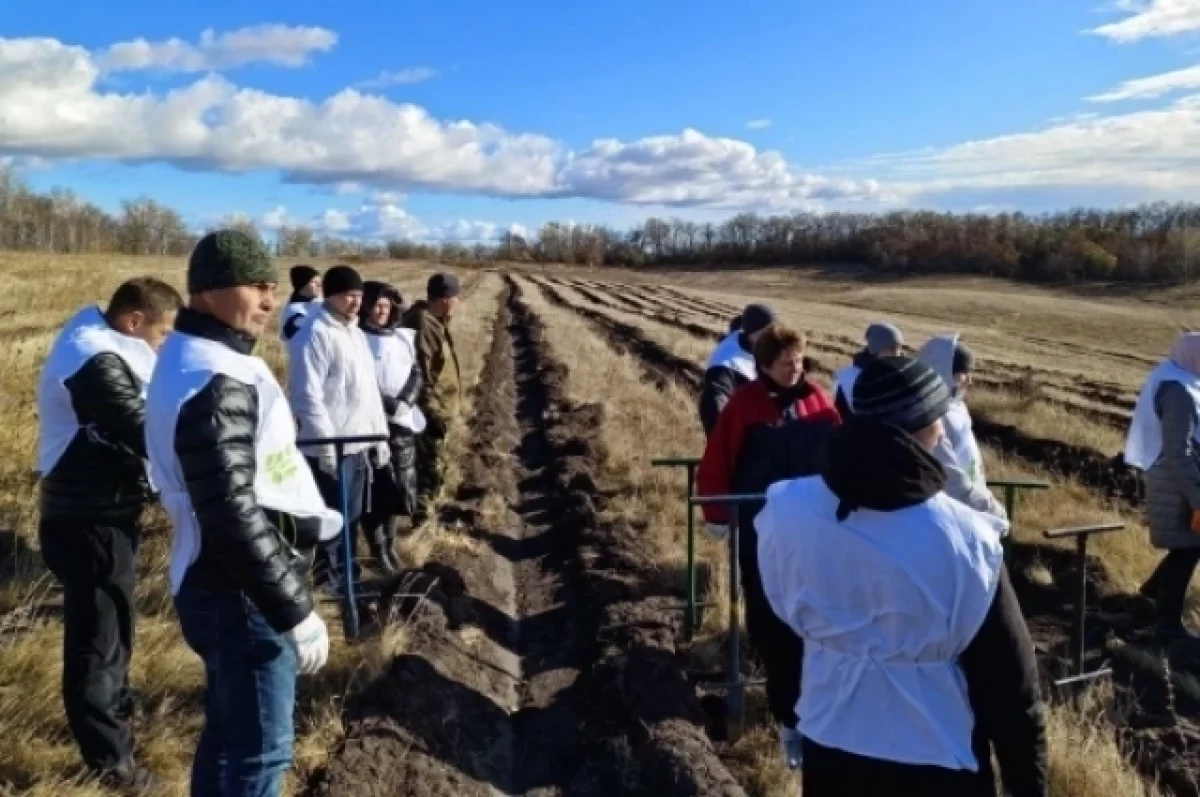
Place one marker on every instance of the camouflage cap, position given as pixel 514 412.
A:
pixel 227 259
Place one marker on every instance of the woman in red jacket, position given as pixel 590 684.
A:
pixel 772 429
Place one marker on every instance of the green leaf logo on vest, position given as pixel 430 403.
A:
pixel 281 466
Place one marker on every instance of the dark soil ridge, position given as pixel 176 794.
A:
pixel 1161 736
pixel 1109 476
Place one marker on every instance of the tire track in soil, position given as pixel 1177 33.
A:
pixel 1108 476
pixel 1162 736
pixel 506 684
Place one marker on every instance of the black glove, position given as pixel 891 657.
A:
pixel 435 427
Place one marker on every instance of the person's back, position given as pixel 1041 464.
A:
pixel 731 364
pixel 917 661
pixel 882 340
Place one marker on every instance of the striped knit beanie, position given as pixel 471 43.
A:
pixel 902 392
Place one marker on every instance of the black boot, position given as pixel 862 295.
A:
pixel 131 779
pixel 1171 579
pixel 381 540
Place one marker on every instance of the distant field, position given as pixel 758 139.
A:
pixel 569 546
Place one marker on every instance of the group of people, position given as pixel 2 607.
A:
pixel 155 396
pixel 896 655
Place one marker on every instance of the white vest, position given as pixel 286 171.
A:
pixel 85 335
pixel 293 309
pixel 395 357
pixel 886 602
pixel 1144 443
pixel 843 381
pixel 283 481
pixel 730 354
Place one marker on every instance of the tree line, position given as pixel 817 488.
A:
pixel 1152 243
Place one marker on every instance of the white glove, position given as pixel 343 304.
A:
pixel 717 531
pixel 311 641
pixel 328 465
pixel 383 454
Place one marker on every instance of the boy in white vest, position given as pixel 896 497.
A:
pixel 91 457
pixel 247 515
pixel 918 665
pixel 731 364
pixel 882 340
pixel 305 298
pixel 333 393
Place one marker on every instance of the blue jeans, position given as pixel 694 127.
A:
pixel 250 695
pixel 355 469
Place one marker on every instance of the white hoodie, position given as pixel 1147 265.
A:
pixel 331 384
pixel 958 450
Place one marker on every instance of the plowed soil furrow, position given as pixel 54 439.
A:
pixel 1159 730
pixel 518 676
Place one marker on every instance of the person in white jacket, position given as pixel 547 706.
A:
pixel 394 487
pixel 958 451
pixel 333 393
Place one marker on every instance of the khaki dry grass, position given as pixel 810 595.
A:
pixel 39 757
pixel 1085 756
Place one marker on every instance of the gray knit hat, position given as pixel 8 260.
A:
pixel 227 259
pixel 882 337
pixel 901 391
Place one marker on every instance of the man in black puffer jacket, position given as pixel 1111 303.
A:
pixel 91 452
pixel 247 514
pixel 731 364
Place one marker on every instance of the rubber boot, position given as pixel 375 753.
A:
pixel 380 542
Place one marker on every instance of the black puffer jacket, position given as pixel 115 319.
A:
pixel 243 547
pixel 102 473
pixel 719 383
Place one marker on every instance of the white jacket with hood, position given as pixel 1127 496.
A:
pixel 332 387
pixel 958 451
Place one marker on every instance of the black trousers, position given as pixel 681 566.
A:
pixel 835 773
pixel 394 489
pixel 1169 584
pixel 95 565
pixel 779 650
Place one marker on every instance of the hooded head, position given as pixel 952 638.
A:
pixel 1186 352
pixel 368 314
pixel 952 360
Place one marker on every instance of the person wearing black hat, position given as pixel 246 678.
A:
pixel 306 295
pixel 731 364
pixel 332 389
pixel 441 382
pixel 918 665
pixel 394 485
pixel 958 450
pixel 247 515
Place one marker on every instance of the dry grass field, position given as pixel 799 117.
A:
pixel 1057 378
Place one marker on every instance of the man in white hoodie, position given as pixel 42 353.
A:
pixel 958 451
pixel 333 393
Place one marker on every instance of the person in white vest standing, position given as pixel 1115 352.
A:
pixel 731 364
pixel 1164 441
pixel 333 392
pixel 882 340
pixel 918 665
pixel 305 298
pixel 246 514
pixel 394 485
pixel 91 458
pixel 958 451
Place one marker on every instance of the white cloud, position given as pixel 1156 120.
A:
pixel 1146 152
pixel 282 45
pixel 51 106
pixel 758 124
pixel 1152 18
pixel 465 231
pixel 335 221
pixel 276 218
pixel 399 77
pixel 1153 86
pixel 519 229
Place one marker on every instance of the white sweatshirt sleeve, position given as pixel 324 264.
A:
pixel 960 487
pixel 306 391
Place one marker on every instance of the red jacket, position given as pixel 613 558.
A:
pixel 751 410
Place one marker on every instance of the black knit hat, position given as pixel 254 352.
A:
pixel 902 392
pixel 229 259
pixel 341 279
pixel 964 360
pixel 756 318
pixel 302 275
pixel 442 286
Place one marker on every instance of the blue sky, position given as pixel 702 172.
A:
pixel 457 119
